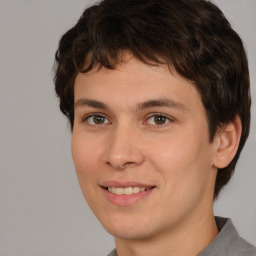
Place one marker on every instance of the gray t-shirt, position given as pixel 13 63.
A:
pixel 226 243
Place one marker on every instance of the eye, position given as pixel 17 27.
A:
pixel 96 119
pixel 158 119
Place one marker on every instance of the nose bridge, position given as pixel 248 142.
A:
pixel 123 147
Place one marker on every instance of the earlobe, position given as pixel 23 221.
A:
pixel 228 139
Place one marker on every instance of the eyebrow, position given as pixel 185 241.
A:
pixel 161 103
pixel 141 106
pixel 90 103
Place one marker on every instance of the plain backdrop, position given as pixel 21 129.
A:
pixel 42 211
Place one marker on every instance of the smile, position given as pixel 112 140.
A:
pixel 126 191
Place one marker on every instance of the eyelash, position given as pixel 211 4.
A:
pixel 85 119
pixel 168 119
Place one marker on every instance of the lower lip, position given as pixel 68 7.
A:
pixel 126 200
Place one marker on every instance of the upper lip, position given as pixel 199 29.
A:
pixel 125 184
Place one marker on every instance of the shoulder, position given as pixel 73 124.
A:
pixel 228 242
pixel 113 253
pixel 238 246
pixel 242 247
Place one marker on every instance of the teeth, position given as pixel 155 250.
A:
pixel 125 191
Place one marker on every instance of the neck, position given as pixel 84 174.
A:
pixel 188 239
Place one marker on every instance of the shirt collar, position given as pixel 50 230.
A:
pixel 222 242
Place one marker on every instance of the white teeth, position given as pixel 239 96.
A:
pixel 128 191
pixel 136 190
pixel 118 191
pixel 125 191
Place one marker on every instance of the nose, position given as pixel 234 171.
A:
pixel 124 148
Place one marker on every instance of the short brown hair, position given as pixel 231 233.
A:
pixel 193 36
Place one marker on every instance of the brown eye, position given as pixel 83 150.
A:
pixel 160 120
pixel 96 119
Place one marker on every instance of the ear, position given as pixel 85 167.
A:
pixel 227 142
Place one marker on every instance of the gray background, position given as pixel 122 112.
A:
pixel 42 211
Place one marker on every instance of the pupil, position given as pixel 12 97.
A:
pixel 160 120
pixel 98 119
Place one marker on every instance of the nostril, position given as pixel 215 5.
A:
pixel 128 163
pixel 121 165
pixel 121 158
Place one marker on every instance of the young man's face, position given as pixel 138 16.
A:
pixel 141 132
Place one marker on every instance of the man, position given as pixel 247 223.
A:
pixel 157 95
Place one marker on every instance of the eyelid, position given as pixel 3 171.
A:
pixel 171 119
pixel 87 116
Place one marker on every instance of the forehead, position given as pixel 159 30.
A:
pixel 135 82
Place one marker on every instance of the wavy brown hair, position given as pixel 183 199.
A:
pixel 192 36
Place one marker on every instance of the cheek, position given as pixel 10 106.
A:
pixel 85 155
pixel 184 162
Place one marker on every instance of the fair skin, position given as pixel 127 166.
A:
pixel 141 150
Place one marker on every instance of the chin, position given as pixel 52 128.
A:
pixel 123 233
pixel 132 228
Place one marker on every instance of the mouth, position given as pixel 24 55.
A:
pixel 126 193
pixel 127 190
